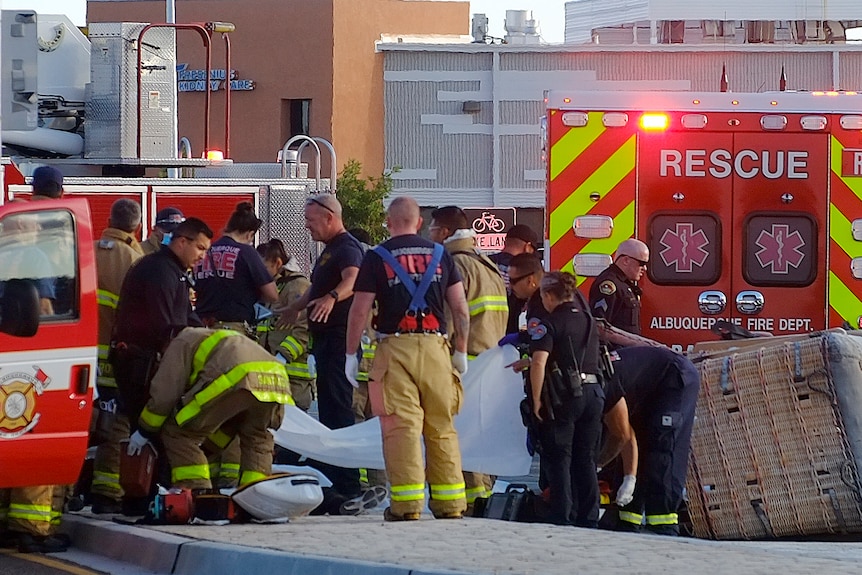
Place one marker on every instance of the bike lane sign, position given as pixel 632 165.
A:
pixel 490 225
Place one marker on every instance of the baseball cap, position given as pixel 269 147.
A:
pixel 169 218
pixel 524 233
pixel 46 179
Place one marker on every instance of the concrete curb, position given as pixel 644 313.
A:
pixel 171 554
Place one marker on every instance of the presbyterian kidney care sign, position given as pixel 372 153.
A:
pixel 771 164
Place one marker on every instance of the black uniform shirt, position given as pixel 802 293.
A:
pixel 342 251
pixel 643 371
pixel 568 322
pixel 615 298
pixel 154 301
pixel 414 254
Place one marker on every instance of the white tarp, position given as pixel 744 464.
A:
pixel 489 426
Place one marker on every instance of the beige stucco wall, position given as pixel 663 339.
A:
pixel 321 50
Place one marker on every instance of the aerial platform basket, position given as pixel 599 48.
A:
pixel 777 442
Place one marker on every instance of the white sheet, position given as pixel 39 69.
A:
pixel 490 431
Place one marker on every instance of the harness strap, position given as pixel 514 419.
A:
pixel 419 292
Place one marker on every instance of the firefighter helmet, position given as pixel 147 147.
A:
pixel 281 496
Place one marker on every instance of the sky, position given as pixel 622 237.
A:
pixel 549 13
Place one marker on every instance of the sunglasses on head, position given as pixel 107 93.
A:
pixel 313 200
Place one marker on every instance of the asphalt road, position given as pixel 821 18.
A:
pixel 12 563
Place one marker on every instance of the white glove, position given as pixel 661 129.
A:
pixel 626 492
pixel 136 443
pixel 459 362
pixel 351 368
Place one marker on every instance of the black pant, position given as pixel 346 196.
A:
pixel 570 443
pixel 663 429
pixel 334 402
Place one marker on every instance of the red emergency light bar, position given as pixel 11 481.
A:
pixel 654 121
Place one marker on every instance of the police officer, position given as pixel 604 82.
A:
pixel 167 219
pixel 615 294
pixel 567 398
pixel 661 389
pixel 116 251
pixel 486 300
pixel 213 383
pixel 414 384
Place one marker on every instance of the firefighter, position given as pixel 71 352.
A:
pixel 232 277
pixel 567 400
pixel 328 301
pixel 486 300
pixel 154 305
pixel 32 514
pixel 289 345
pixel 167 220
pixel 520 239
pixel 116 251
pixel 615 294
pixel 213 383
pixel 414 382
pixel 661 389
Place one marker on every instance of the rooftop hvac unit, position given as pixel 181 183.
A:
pixel 479 28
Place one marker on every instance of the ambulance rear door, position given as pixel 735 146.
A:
pixel 734 214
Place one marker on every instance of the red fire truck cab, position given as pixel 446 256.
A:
pixel 48 340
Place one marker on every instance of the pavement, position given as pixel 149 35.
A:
pixel 367 545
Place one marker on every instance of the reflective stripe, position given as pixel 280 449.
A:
pixel 363 475
pixel 103 351
pixel 630 517
pixel 190 473
pixel 471 357
pixel 410 492
pixel 368 350
pixel 229 470
pixel 448 492
pixel 104 367
pixel 42 513
pixel 220 439
pixel 668 519
pixel 488 303
pixel 298 369
pixel 471 494
pixel 292 345
pixel 107 479
pixel 205 349
pixel 227 381
pixel 107 299
pixel 152 420
pixel 251 476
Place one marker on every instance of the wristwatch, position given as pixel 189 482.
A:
pixel 334 295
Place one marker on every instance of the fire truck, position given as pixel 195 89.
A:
pixel 102 109
pixel 751 204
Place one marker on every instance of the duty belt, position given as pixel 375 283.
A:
pixel 589 378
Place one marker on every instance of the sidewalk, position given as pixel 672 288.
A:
pixel 367 545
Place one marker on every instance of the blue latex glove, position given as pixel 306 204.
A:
pixel 510 339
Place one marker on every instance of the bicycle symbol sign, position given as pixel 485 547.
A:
pixel 488 223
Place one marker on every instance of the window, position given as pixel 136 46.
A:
pixel 39 247
pixel 780 250
pixel 685 248
pixel 295 118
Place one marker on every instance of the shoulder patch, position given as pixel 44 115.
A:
pixel 106 244
pixel 536 328
pixel 607 287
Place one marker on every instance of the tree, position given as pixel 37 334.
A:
pixel 362 199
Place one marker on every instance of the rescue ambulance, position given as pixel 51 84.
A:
pixel 751 204
pixel 48 340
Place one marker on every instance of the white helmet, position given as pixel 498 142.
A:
pixel 280 496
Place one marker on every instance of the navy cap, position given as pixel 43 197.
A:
pixel 169 218
pixel 47 181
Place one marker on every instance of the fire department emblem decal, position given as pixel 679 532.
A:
pixel 18 393
pixel 684 247
pixel 780 249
